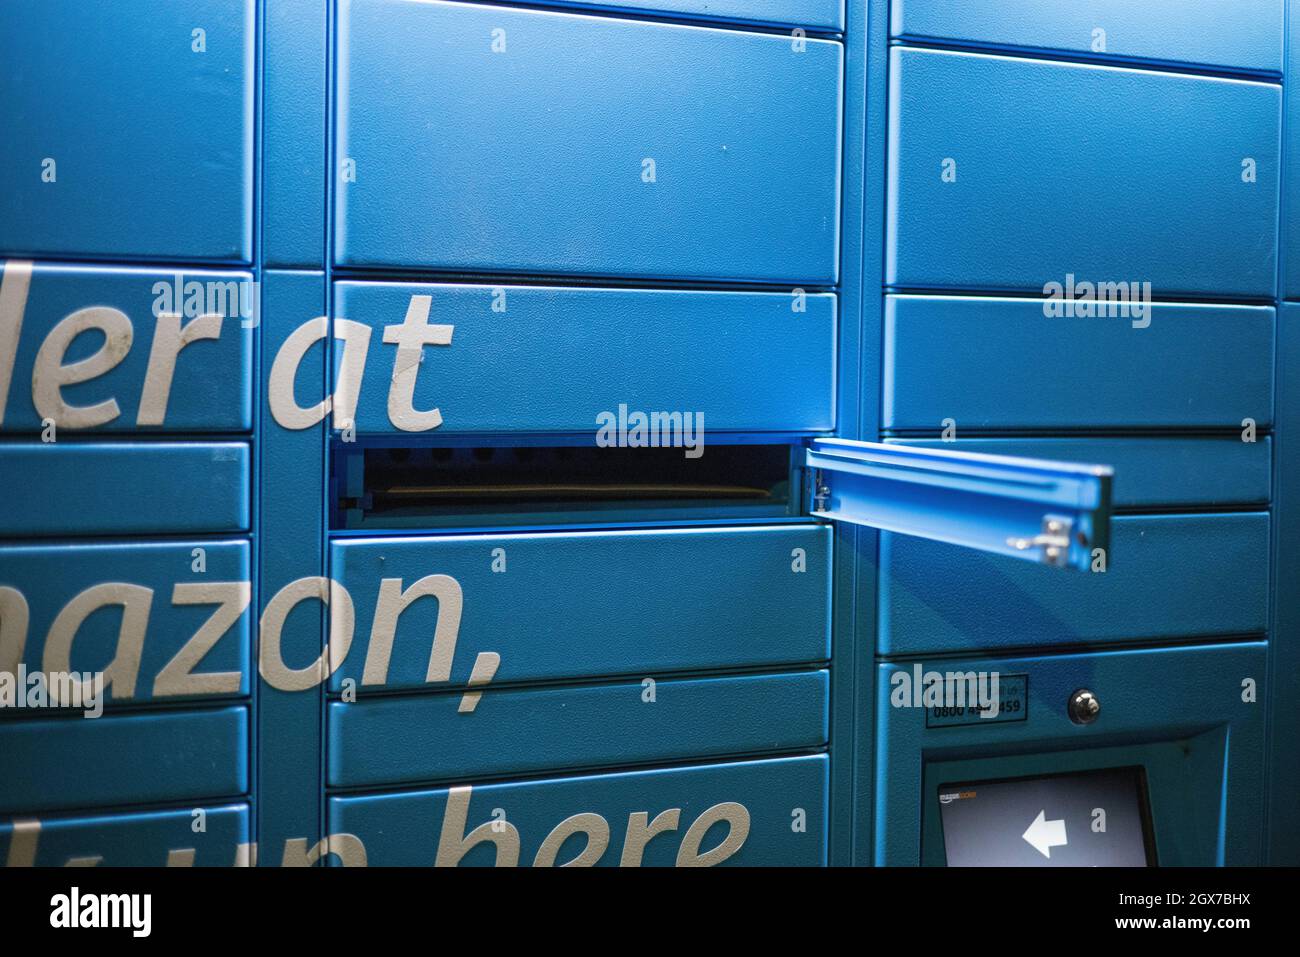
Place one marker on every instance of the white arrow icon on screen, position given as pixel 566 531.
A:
pixel 1045 835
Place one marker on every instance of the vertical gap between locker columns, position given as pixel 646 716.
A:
pixel 255 524
pixel 845 742
pixel 331 178
pixel 1279 295
pixel 875 47
pixel 840 739
pixel 1286 408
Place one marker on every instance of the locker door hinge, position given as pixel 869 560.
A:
pixel 1054 540
pixel 821 491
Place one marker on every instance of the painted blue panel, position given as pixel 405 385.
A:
pixel 1165 471
pixel 141 839
pixel 150 138
pixel 291 499
pixel 406 829
pixel 206 386
pixel 1245 34
pixel 424 738
pixel 1291 182
pixel 1284 650
pixel 69 488
pixel 746 153
pixel 293 133
pixel 1168 576
pixel 810 14
pixel 556 358
pixel 598 603
pixel 74 762
pixel 1003 363
pixel 1149 181
pixel 50 576
pixel 1206 797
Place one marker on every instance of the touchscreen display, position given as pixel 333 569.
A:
pixel 1087 819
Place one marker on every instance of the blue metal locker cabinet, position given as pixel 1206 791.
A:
pixel 1082 261
pixel 127 444
pixel 685 432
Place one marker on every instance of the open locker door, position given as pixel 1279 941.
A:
pixel 1056 513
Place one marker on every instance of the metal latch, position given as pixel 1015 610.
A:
pixel 821 491
pixel 1054 540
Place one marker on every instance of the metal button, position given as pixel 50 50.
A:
pixel 1084 707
